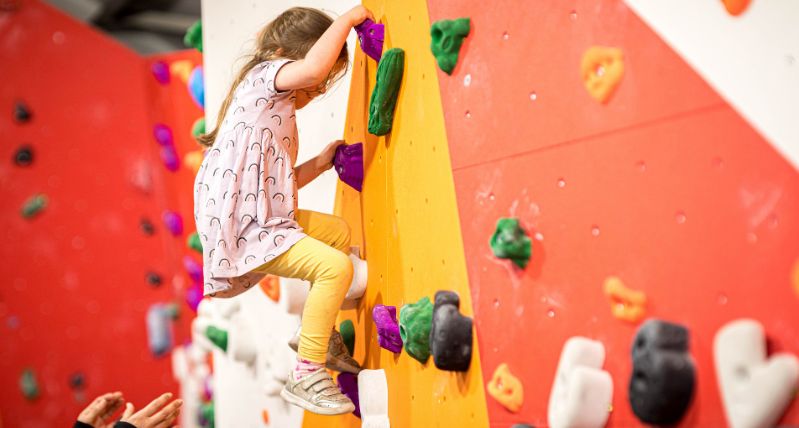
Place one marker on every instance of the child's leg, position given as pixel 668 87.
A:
pixel 330 229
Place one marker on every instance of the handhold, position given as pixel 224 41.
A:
pixel 173 222
pixel 522 426
pixel 34 205
pixel 602 70
pixel 217 336
pixel 193 160
pixel 169 156
pixel 450 334
pixel 77 380
pixel 415 321
pixel 447 37
pixel 160 71
pixel 359 279
pixel 348 162
pixel 347 331
pixel 194 36
pixel 146 227
pixel 28 384
pixel 194 294
pixel 198 128
pixel 207 411
pixel 23 156
pixel 755 390
pixel 373 397
pixel 388 333
pixel 387 87
pixel 348 384
pixel 265 416
pixel 663 376
pixel 506 388
pixel 21 112
pixel 735 7
pixel 271 287
pixel 625 304
pixel 241 339
pixel 182 69
pixel 163 135
pixel 193 242
pixel 193 268
pixel 153 279
pixel 510 241
pixel 196 86
pixel 159 329
pixel 371 37
pixel 582 392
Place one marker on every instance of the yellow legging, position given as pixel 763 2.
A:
pixel 322 259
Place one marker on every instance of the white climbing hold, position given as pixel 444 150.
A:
pixel 582 392
pixel 755 389
pixel 373 397
pixel 241 339
pixel 359 277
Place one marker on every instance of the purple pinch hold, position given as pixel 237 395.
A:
pixel 160 71
pixel 170 158
pixel 163 134
pixel 194 269
pixel 194 295
pixel 388 333
pixel 371 36
pixel 348 162
pixel 348 384
pixel 173 222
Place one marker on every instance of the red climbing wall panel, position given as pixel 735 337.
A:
pixel 74 298
pixel 664 186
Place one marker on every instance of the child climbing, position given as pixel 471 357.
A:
pixel 245 202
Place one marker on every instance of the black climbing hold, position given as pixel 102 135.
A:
pixel 146 227
pixel 450 334
pixel 663 377
pixel 154 279
pixel 76 380
pixel 21 113
pixel 23 156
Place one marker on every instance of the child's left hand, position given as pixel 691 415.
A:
pixel 325 158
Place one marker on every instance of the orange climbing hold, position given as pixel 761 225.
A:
pixel 266 416
pixel 602 70
pixel 271 286
pixel 506 388
pixel 625 304
pixel 736 7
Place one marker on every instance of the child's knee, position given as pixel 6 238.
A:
pixel 340 267
pixel 344 234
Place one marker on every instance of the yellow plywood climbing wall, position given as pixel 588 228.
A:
pixel 406 222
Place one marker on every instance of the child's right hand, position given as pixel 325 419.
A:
pixel 359 14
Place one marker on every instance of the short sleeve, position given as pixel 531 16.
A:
pixel 266 77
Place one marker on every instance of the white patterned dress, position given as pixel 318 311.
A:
pixel 245 193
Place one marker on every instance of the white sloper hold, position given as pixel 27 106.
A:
pixel 373 397
pixel 582 392
pixel 359 276
pixel 241 339
pixel 755 389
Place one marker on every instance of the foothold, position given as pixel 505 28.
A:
pixel 207 410
pixel 348 162
pixel 21 113
pixel 193 242
pixel 173 222
pixel 450 334
pixel 510 241
pixel 241 339
pixel 602 70
pixel 371 37
pixel 28 384
pixel 23 156
pixel 196 86
pixel 388 332
pixel 360 276
pixel 582 392
pixel 159 329
pixel 265 416
pixel 447 37
pixel 755 390
pixel 522 426
pixel 735 7
pixel 347 331
pixel 169 156
pixel 34 205
pixel 193 268
pixel 194 36
pixel 348 384
pixel 198 128
pixel 193 160
pixel 160 71
pixel 663 376
pixel 146 227
pixel 373 397
pixel 77 380
pixel 271 287
pixel 182 69
pixel 194 295
pixel 415 321
pixel 386 91
pixel 506 388
pixel 217 336
pixel 163 135
pixel 625 304
pixel 154 279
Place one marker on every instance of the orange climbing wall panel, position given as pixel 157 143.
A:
pixel 411 236
pixel 664 186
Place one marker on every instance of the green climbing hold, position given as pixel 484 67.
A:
pixel 510 241
pixel 194 242
pixel 217 336
pixel 447 39
pixel 34 205
pixel 347 330
pixel 198 127
pixel 384 96
pixel 28 384
pixel 194 36
pixel 207 411
pixel 414 324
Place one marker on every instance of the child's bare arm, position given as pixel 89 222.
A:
pixel 313 69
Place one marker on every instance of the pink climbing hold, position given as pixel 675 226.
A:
pixel 194 269
pixel 371 36
pixel 163 134
pixel 388 333
pixel 194 295
pixel 173 222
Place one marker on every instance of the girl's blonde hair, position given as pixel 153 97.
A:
pixel 290 36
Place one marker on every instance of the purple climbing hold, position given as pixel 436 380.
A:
pixel 194 295
pixel 349 164
pixel 173 222
pixel 194 269
pixel 371 36
pixel 348 384
pixel 163 134
pixel 170 158
pixel 388 333
pixel 160 71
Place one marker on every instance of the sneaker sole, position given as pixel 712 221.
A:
pixel 299 402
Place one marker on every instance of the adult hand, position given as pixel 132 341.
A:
pixel 151 416
pixel 360 14
pixel 325 158
pixel 101 409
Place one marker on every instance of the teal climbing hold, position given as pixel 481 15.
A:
pixel 194 36
pixel 198 128
pixel 34 205
pixel 384 96
pixel 217 336
pixel 414 325
pixel 347 330
pixel 510 241
pixel 194 242
pixel 28 384
pixel 447 39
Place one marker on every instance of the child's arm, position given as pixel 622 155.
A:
pixel 311 169
pixel 314 68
